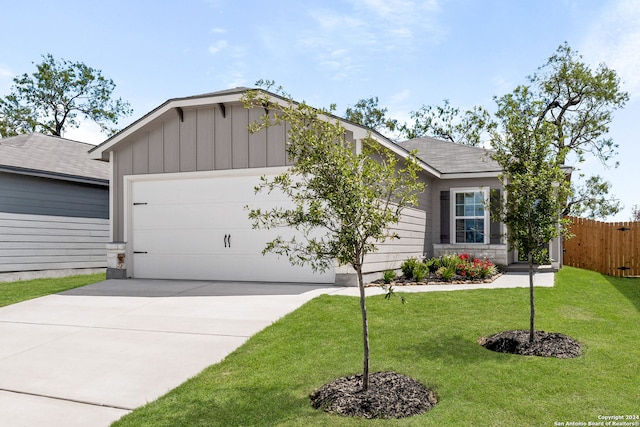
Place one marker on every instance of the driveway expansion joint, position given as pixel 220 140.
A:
pixel 64 399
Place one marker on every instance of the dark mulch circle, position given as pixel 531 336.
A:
pixel 545 344
pixel 390 395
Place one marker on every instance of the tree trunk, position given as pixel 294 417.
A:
pixel 365 329
pixel 533 310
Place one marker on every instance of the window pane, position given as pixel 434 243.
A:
pixel 460 231
pixel 469 198
pixel 469 231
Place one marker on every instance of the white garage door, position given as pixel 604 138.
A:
pixel 198 228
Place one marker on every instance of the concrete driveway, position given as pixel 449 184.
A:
pixel 88 356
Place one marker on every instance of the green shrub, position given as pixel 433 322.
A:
pixel 408 267
pixel 446 273
pixel 388 276
pixel 420 271
pixel 433 264
pixel 450 261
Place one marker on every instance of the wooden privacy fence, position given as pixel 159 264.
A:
pixel 611 248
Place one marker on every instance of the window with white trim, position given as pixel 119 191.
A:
pixel 470 215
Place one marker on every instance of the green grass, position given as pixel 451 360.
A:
pixel 13 292
pixel 433 338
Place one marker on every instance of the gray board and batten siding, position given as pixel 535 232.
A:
pixel 203 138
pixel 54 205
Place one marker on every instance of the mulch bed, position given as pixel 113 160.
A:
pixel 390 395
pixel 545 344
pixel 432 279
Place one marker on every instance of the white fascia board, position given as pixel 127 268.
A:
pixel 463 175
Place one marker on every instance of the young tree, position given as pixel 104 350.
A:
pixel 351 197
pixel 50 100
pixel 534 182
pixel 635 213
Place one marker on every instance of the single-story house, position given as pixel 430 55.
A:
pixel 182 175
pixel 54 205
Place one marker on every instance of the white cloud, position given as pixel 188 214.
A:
pixel 347 40
pixel 218 31
pixel 615 40
pixel 218 46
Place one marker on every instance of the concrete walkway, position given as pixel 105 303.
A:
pixel 88 356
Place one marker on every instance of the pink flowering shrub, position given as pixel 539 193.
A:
pixel 475 268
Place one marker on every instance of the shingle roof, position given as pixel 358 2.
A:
pixel 448 157
pixel 59 157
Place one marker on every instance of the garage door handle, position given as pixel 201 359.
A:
pixel 227 240
pixel 140 252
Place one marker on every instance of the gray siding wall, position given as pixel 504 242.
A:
pixel 392 253
pixel 413 230
pixel 24 194
pixel 44 242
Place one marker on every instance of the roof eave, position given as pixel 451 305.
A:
pixel 55 175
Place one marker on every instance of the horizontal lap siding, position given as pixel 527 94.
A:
pixel 23 194
pixel 42 242
pixel 390 254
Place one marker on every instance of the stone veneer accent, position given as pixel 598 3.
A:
pixel 497 254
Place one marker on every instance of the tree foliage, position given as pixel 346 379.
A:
pixel 56 97
pixel 635 213
pixel 591 199
pixel 535 184
pixel 448 123
pixel 352 197
pixel 367 112
pixel 579 104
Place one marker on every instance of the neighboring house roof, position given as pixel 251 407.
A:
pixel 451 158
pixel 52 157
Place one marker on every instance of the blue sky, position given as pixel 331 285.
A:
pixel 407 53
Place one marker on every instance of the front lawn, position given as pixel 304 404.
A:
pixel 432 338
pixel 13 292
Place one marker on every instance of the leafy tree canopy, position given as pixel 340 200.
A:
pixel 448 123
pixel 579 103
pixel 367 113
pixel 591 199
pixel 56 97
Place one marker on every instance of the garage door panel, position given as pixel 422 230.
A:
pixel 198 228
pixel 176 241
pixel 160 216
